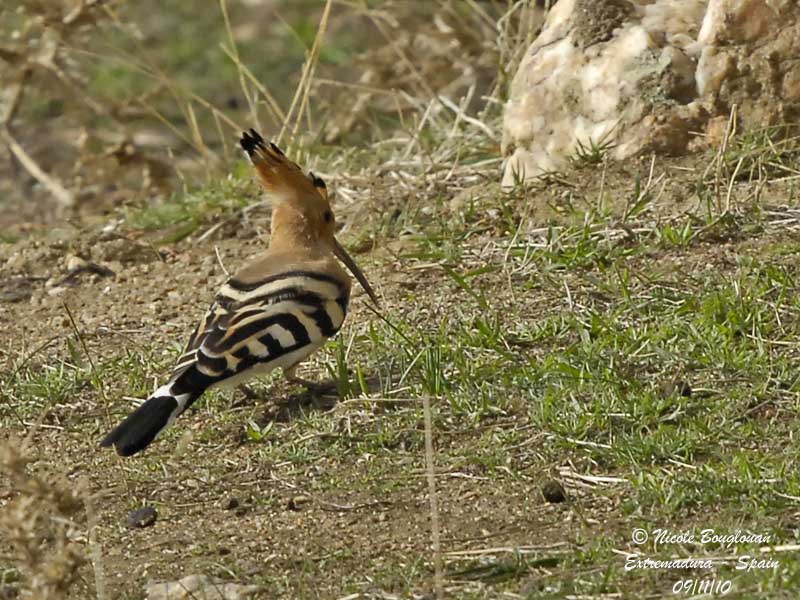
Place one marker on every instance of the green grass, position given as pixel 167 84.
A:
pixel 591 153
pixel 184 212
pixel 767 153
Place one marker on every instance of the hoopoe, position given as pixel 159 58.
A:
pixel 274 312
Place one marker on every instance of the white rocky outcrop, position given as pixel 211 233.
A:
pixel 648 75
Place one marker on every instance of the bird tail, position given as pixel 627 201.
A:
pixel 279 175
pixel 144 424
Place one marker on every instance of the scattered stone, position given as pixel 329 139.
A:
pixel 230 503
pixel 16 261
pixel 56 291
pixel 73 263
pixel 297 502
pixel 84 267
pixel 142 517
pixel 17 289
pixel 554 492
pixel 125 251
pixel 676 386
pixel 200 587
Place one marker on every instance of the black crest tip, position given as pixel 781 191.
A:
pixel 317 181
pixel 250 141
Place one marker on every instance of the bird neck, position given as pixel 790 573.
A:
pixel 291 231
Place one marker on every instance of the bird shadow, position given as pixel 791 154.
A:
pixel 322 397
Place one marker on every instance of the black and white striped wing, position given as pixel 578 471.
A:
pixel 214 315
pixel 257 327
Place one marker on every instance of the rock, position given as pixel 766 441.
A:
pixel 142 517
pixel 124 251
pixel 199 587
pixel 675 386
pixel 230 503
pixel 748 57
pixel 603 72
pixel 553 492
pixel 73 263
pixel 297 503
pixel 645 75
pixel 16 289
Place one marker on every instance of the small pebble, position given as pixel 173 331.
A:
pixel 56 291
pixel 297 502
pixel 75 262
pixel 142 517
pixel 554 492
pixel 676 386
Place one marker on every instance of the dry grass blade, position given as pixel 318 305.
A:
pixel 14 94
pixel 461 114
pixel 14 98
pixel 64 196
pixel 197 136
pixel 234 53
pixel 730 131
pixel 517 29
pixel 306 78
pixel 432 499
pixel 152 69
pixel 95 548
pixel 277 113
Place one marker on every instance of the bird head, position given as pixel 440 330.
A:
pixel 302 211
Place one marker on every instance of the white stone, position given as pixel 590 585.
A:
pixel 56 291
pixel 199 587
pixel 647 75
pixel 74 263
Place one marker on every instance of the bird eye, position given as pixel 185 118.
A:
pixel 328 216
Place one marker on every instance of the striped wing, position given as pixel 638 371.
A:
pixel 255 327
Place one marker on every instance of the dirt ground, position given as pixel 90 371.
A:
pixel 299 495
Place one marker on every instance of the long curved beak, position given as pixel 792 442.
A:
pixel 343 256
